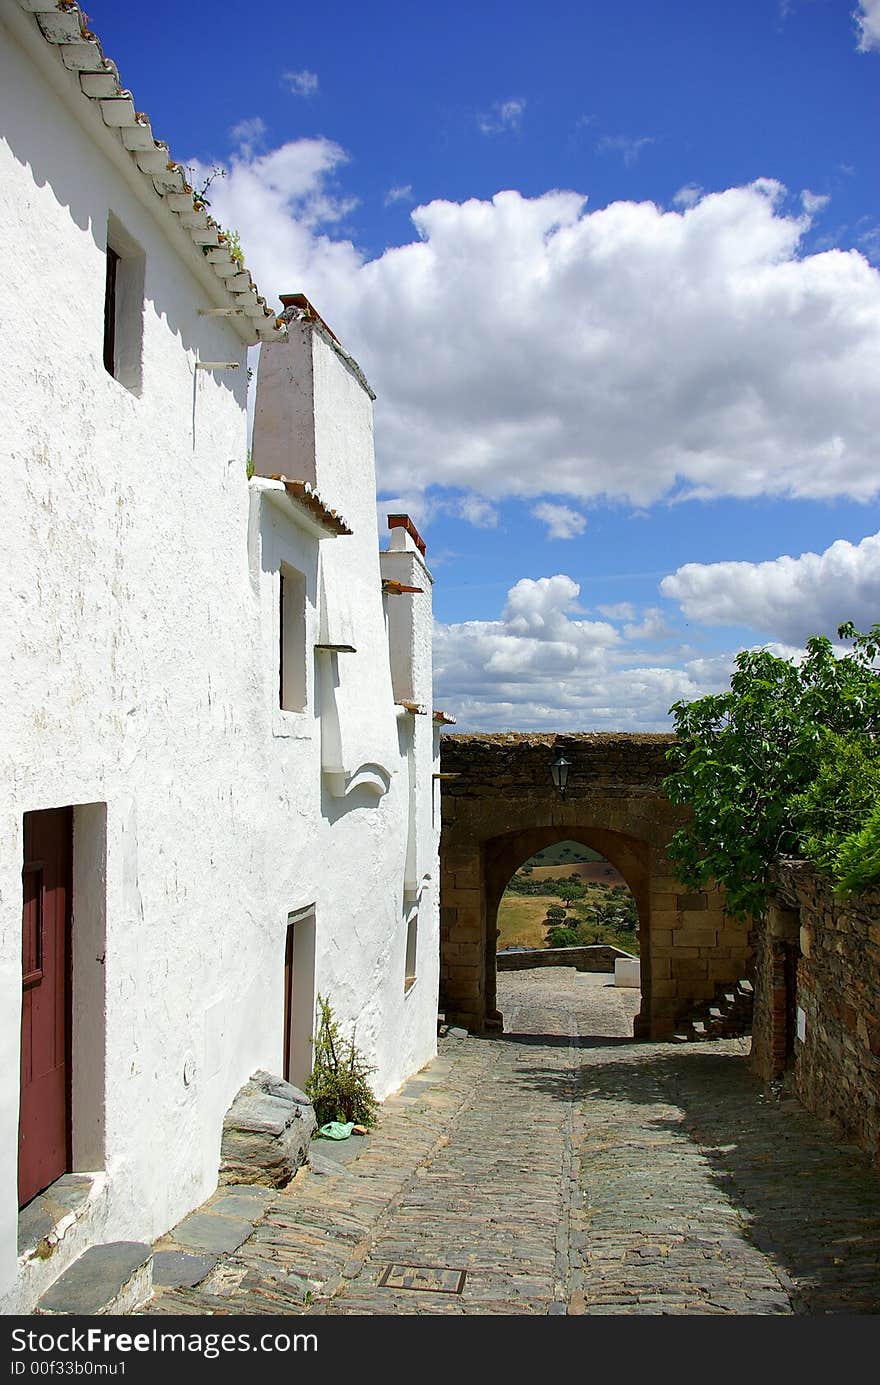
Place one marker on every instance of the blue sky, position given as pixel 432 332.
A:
pixel 612 272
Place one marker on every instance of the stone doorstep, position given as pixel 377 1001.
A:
pixel 48 1216
pixel 112 1278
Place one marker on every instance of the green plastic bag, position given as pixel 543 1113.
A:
pixel 336 1130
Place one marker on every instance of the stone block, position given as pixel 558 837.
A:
pixel 627 972
pixel 689 936
pixel 664 989
pixel 688 968
pixel 663 901
pixel 462 898
pixel 692 901
pixel 664 918
pixel 113 1278
pixel 266 1133
pixel 661 937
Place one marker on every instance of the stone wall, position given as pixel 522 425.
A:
pixel 594 957
pixel 817 1001
pixel 499 806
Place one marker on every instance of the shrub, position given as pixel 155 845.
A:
pixel 338 1086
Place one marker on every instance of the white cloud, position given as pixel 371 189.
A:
pixel 477 511
pixel 504 116
pixel 621 610
pixel 562 522
pixel 867 18
pixel 303 83
pixel 540 666
pixel 813 202
pixel 640 354
pixel 651 627
pixel 404 193
pixel 629 147
pixel 688 196
pixel 788 598
pixel 247 135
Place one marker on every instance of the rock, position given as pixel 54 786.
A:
pixel 266 1133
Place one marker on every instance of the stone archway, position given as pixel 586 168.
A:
pixel 503 855
pixel 499 807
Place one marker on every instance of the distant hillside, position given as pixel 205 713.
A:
pixel 564 854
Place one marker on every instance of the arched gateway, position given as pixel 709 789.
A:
pixel 499 806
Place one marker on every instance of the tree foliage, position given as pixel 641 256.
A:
pixel 747 760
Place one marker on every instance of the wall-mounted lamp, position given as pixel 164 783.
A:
pixel 559 773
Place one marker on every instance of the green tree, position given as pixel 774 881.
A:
pixel 743 757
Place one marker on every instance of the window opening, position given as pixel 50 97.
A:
pixel 292 641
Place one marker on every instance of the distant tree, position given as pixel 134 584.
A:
pixel 563 937
pixel 555 916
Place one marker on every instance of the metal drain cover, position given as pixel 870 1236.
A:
pixel 426 1277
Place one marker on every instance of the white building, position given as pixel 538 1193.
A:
pixel 217 744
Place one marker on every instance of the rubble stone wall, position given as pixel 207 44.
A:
pixel 832 1059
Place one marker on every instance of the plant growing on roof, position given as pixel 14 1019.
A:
pixel 338 1085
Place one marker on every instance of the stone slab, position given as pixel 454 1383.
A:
pixel 110 1278
pixel 340 1151
pixel 176 1269
pixel 229 1204
pixel 205 1231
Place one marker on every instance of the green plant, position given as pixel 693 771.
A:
pixel 744 758
pixel 233 245
pixel 338 1086
pixel 249 464
pixel 837 803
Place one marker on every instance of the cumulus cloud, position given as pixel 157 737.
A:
pixel 629 147
pixel 867 18
pixel 303 83
pixel 788 598
pixel 526 346
pixel 540 666
pixel 562 522
pixel 504 116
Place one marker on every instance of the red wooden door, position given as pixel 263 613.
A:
pixel 44 1121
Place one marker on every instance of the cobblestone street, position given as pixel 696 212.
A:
pixel 558 1169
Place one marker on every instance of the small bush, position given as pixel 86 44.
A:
pixel 338 1086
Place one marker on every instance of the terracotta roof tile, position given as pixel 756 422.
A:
pixel 417 708
pixel 399 588
pixel 404 522
pixel 444 718
pixel 304 494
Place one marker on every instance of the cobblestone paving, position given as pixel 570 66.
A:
pixel 565 1169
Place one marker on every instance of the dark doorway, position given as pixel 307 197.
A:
pixel 44 1120
pixel 299 997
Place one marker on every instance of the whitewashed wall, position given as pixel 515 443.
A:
pixel 139 648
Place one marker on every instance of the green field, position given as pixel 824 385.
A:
pixel 521 919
